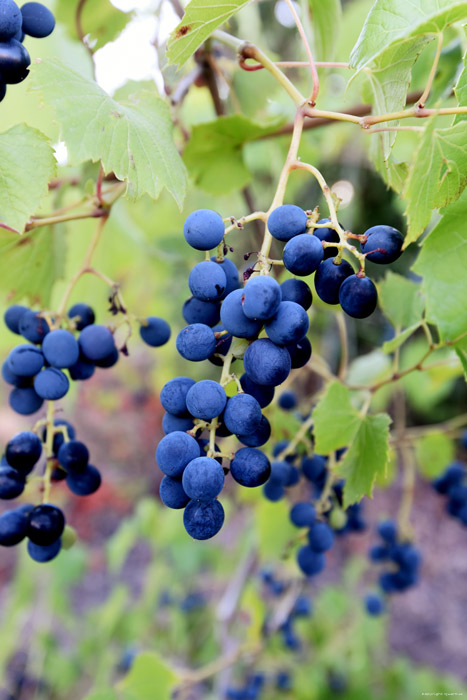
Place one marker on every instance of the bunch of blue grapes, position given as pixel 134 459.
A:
pixel 453 485
pixel 32 19
pixel 401 562
pixel 256 684
pixel 41 370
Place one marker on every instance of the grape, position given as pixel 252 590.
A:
pixel 82 314
pixel 203 229
pixel 303 514
pixel 263 394
pixel 109 360
pixel 46 553
pixel 329 235
pixel 38 21
pixel 259 437
pixel 96 342
pixel 314 468
pixel 309 561
pixel 378 553
pixel 273 491
pixel 84 483
pixel 25 401
pixel 172 493
pixel 173 395
pixel 262 296
pixel 25 360
pixel 374 604
pixel 234 319
pixel 287 221
pixel 203 479
pixel 51 384
pixel 175 451
pixel 280 447
pixel 297 291
pixel 32 326
pixel 283 681
pixel 358 296
pixel 59 438
pixel 206 400
pixel 230 272
pixel 320 537
pixel 250 467
pixel 299 353
pixel 73 456
pixel 294 476
pixel 12 483
pixel 203 520
pixel 223 344
pixel 10 19
pixel 14 60
pixel 82 369
pixel 242 414
pixel 156 332
pixel 2 91
pixel 288 400
pixel 289 324
pixel 302 607
pixel 45 524
pixel 13 527
pixel 197 311
pixel 13 313
pixel 266 363
pixel 303 254
pixel 387 530
pixel 383 244
pixel 60 349
pixel 453 476
pixel 23 451
pixel 329 277
pixel 171 423
pixel 12 378
pixel 196 342
pixel 207 281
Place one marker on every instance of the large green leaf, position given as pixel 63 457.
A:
pixel 27 164
pixel 366 458
pixel 401 300
pixel 201 19
pixel 226 135
pixel 437 175
pixel 132 139
pixel 326 22
pixel 100 21
pixel 31 264
pixel 335 419
pixel 389 21
pixel 443 263
pixel 149 678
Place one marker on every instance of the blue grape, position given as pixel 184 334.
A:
pixel 288 400
pixel 13 527
pixel 287 221
pixel 242 414
pixel 25 360
pixel 60 349
pixel 12 483
pixel 378 553
pixel 234 319
pixel 299 353
pixel 329 235
pixel 173 395
pixel 11 378
pixel 96 342
pixel 82 369
pixel 14 60
pixel 250 467
pixel 259 437
pixel 383 244
pixel 25 401
pixel 45 524
pixel 309 561
pixel 171 423
pixel 273 491
pixel 82 314
pixel 263 394
pixel 32 326
pixel 12 317
pixel 283 681
pixel 297 291
pixel 358 296
pixel 172 493
pixel 38 20
pixel 51 384
pixel 207 281
pixel 73 456
pixel 320 537
pixel 203 479
pixel 23 451
pixel 303 514
pixel 261 297
pixel 280 472
pixel 314 468
pixel 231 274
pixel 10 19
pixel 197 311
pixel 374 604
pixel 203 520
pixel 84 483
pixel 204 229
pixel 59 437
pixel 155 331
pixel 223 343
pixel 266 364
pixel 303 254
pixel 289 324
pixel 206 400
pixel 329 278
pixel 43 554
pixel 387 530
pixel 196 342
pixel 174 452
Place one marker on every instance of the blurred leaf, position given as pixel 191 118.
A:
pixel 390 345
pixel 31 264
pixel 401 300
pixel 461 92
pixel 273 526
pixel 434 453
pixel 442 264
pixel 27 164
pixel 200 20
pixel 462 355
pixel 368 369
pixel 149 678
pixel 133 140
pixel 102 695
pixel 326 22
pixel 449 63
pixel 101 21
pixel 334 409
pixel 255 608
pixel 366 458
pixel 385 479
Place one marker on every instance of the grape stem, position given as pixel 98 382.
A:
pixel 49 452
pixel 311 61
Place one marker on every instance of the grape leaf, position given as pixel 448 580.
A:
pixel 226 135
pixel 434 453
pixel 461 92
pixel 391 20
pixel 366 458
pixel 462 355
pixel 326 23
pixel 31 264
pixel 401 300
pixel 334 409
pixel 100 21
pixel 102 695
pixel 147 674
pixel 27 164
pixel 437 176
pixel 132 139
pixel 200 20
pixel 442 264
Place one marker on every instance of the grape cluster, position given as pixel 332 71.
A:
pixel 40 370
pixel 452 484
pixel 255 685
pixel 32 19
pixel 302 608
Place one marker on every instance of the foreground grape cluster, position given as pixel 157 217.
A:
pixel 32 19
pixel 40 370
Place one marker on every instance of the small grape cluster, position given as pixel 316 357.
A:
pixel 403 559
pixel 33 19
pixel 36 371
pixel 452 484
pixel 255 685
pixel 302 608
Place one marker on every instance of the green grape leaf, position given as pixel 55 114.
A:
pixel 390 345
pixel 389 21
pixel 31 264
pixel 132 139
pixel 394 173
pixel 148 675
pixel 442 264
pixel 437 176
pixel 101 21
pixel 366 458
pixel 200 20
pixel 326 23
pixel 226 135
pixel 102 695
pixel 401 300
pixel 434 453
pixel 461 92
pixel 462 355
pixel 334 409
pixel 27 164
